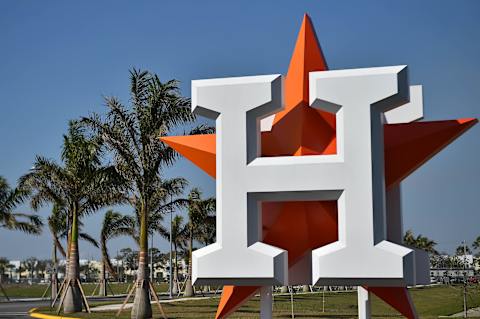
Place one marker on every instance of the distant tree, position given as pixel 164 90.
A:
pixel 9 200
pixel 456 262
pixel 420 242
pixel 200 211
pixel 179 239
pixel 409 238
pixel 476 245
pixel 21 269
pixel 4 262
pixel 89 271
pixel 157 258
pixel 120 268
pixel 129 258
pixel 30 265
pixel 62 269
pixel 114 225
pixel 476 262
pixel 461 250
pixel 207 231
pixel 10 269
pixel 42 266
pixel 435 261
pixel 57 224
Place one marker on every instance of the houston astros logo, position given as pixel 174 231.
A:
pixel 308 170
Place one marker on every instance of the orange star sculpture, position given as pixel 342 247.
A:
pixel 299 130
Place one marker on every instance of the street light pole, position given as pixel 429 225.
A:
pixel 465 310
pixel 170 265
pixel 118 267
pixel 151 258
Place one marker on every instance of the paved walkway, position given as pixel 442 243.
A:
pixel 115 307
pixel 19 309
pixel 474 312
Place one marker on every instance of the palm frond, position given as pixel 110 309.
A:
pixel 89 239
pixel 9 199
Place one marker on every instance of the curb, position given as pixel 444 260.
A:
pixel 34 314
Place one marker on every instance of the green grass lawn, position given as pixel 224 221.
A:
pixel 430 302
pixel 37 290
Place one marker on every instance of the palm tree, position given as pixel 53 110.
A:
pixel 207 229
pixel 114 225
pixel 179 236
pixel 426 244
pixel 9 199
pixel 207 234
pixel 42 266
pixel 409 238
pixel 30 265
pixel 159 207
pixel 420 242
pixel 4 265
pixel 200 212
pixel 57 224
pixel 4 262
pixel 129 260
pixel 463 250
pixel 133 135
pixel 82 186
pixel 476 244
pixel 10 268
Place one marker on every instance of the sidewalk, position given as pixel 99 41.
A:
pixel 30 299
pixel 474 312
pixel 115 307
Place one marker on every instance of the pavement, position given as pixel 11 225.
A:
pixel 473 312
pixel 18 308
pixel 115 307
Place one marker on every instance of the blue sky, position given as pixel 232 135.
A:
pixel 58 58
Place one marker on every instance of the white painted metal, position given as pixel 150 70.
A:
pixel 409 112
pixel 267 123
pixel 266 302
pixel 362 255
pixel 366 253
pixel 364 304
pixel 238 257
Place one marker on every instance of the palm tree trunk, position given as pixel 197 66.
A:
pixel 54 277
pixel 188 285
pixel 73 299
pixel 103 281
pixel 69 240
pixel 175 271
pixel 142 308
